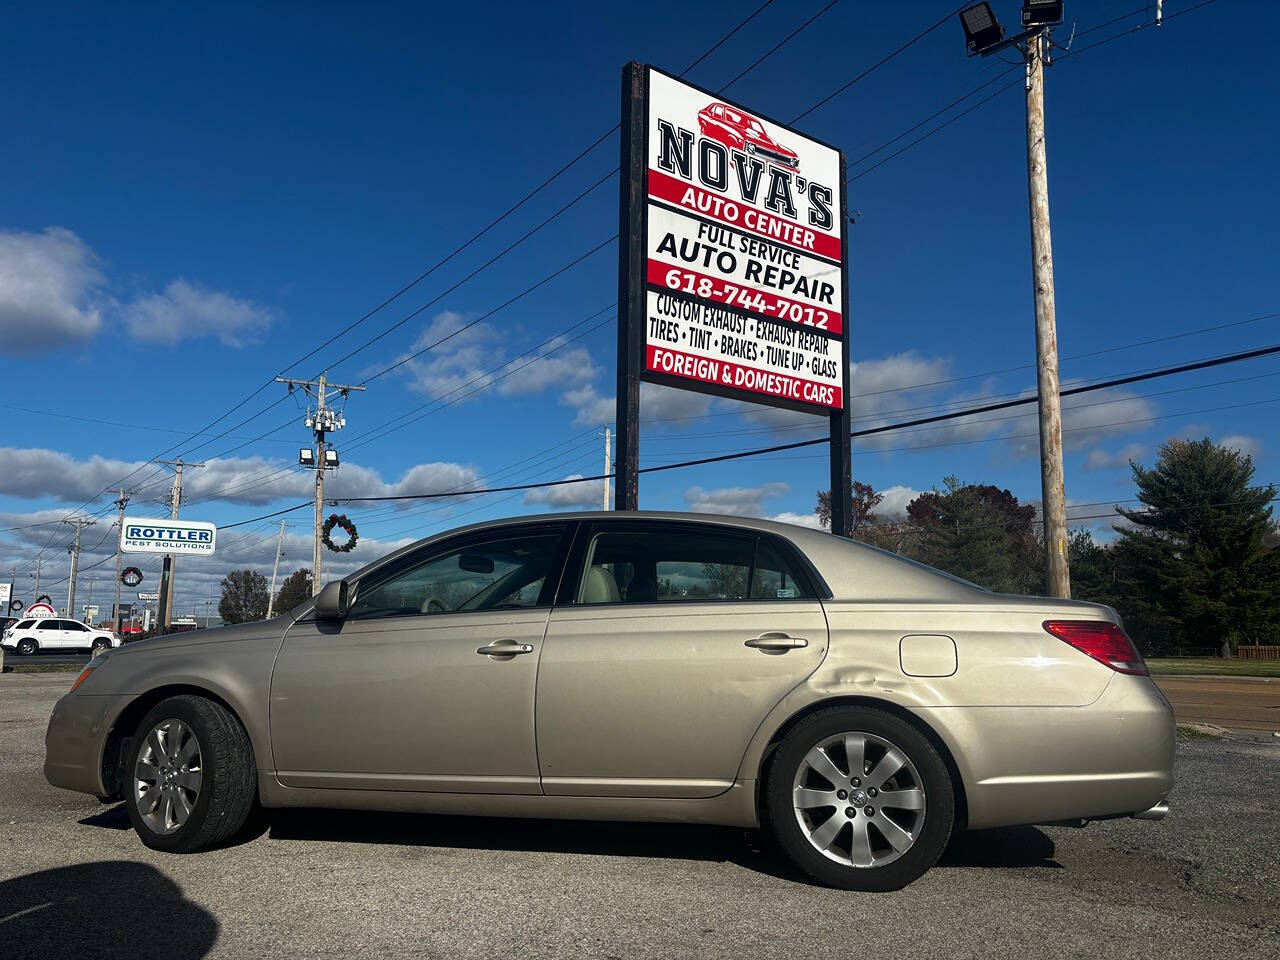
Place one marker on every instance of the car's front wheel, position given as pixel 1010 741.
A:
pixel 859 799
pixel 191 777
pixel 101 645
pixel 27 647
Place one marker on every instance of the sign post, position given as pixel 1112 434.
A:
pixel 732 276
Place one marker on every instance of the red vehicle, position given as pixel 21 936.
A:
pixel 741 131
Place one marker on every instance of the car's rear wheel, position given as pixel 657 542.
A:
pixel 99 646
pixel 191 777
pixel 27 646
pixel 859 799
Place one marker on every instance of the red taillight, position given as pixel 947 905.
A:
pixel 1103 641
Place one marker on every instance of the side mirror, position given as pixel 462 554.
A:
pixel 331 604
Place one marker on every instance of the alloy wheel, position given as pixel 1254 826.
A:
pixel 167 776
pixel 859 799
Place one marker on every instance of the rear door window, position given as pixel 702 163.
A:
pixel 685 564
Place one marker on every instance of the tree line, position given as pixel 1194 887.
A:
pixel 245 595
pixel 1196 565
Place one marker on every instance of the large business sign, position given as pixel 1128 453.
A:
pixel 733 263
pixel 744 253
pixel 6 594
pixel 177 537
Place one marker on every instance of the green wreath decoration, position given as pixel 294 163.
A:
pixel 339 520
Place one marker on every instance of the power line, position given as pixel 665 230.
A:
pixel 869 431
pixel 877 65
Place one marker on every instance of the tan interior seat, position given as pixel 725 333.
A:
pixel 600 587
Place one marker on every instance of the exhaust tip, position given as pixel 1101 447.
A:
pixel 1158 812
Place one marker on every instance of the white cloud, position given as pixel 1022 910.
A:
pixel 545 370
pixel 50 290
pixel 186 311
pixel 1249 446
pixel 587 493
pixel 1100 459
pixel 592 409
pixel 463 357
pixel 657 403
pixel 799 519
pixel 35 473
pixel 894 504
pixel 735 501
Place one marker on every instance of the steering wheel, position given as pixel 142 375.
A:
pixel 434 605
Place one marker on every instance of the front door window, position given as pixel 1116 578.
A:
pixel 505 574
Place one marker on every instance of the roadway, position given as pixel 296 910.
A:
pixel 1234 703
pixel 75 880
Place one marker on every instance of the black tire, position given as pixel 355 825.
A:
pixel 229 783
pixel 27 647
pixel 99 645
pixel 781 818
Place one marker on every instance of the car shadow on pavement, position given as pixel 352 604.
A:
pixel 1002 847
pixel 111 908
pixel 751 849
pixel 113 818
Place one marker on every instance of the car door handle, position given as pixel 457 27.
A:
pixel 505 648
pixel 777 642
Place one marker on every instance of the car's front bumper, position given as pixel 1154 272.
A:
pixel 75 739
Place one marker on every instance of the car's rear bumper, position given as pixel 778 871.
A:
pixel 75 738
pixel 1044 764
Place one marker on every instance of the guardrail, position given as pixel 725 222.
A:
pixel 1259 652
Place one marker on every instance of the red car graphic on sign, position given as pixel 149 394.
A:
pixel 741 131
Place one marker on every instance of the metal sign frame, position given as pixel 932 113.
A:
pixel 632 306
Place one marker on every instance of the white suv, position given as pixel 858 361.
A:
pixel 56 633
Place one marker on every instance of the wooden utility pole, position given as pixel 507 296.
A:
pixel 115 610
pixel 271 597
pixel 165 609
pixel 79 523
pixel 326 420
pixel 608 466
pixel 1052 485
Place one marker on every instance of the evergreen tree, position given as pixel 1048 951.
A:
pixel 978 532
pixel 295 590
pixel 1197 569
pixel 244 597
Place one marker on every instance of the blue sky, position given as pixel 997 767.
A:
pixel 195 198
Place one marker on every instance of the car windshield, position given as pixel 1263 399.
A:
pixel 754 125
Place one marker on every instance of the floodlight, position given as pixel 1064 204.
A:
pixel 330 457
pixel 1041 13
pixel 307 457
pixel 981 28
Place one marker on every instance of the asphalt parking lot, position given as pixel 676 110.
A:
pixel 75 881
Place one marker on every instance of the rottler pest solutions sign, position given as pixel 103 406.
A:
pixel 176 537
pixel 744 253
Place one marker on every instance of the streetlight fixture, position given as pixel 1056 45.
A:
pixel 1041 13
pixel 307 457
pixel 981 28
pixel 330 457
